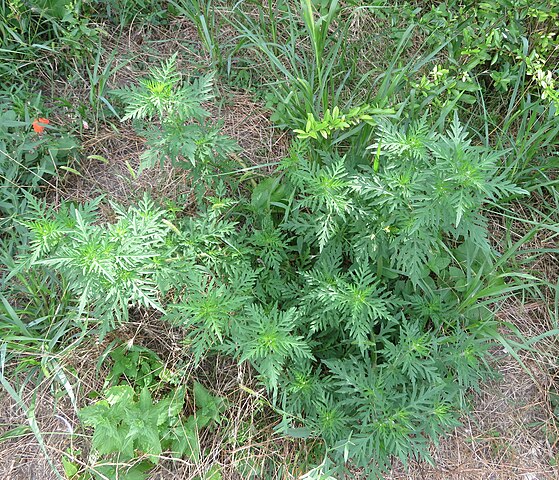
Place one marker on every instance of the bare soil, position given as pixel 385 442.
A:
pixel 511 433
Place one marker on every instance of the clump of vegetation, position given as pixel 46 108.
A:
pixel 358 278
pixel 125 423
pixel 178 127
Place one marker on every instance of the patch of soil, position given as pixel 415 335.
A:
pixel 23 455
pixel 512 431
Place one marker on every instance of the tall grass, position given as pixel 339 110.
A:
pixel 303 61
pixel 202 13
pixel 302 55
pixel 303 58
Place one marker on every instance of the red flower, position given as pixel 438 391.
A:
pixel 39 125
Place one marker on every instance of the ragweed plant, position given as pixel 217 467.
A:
pixel 361 291
pixel 110 268
pixel 363 314
pixel 170 113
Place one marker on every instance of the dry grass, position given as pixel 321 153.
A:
pixel 21 457
pixel 511 433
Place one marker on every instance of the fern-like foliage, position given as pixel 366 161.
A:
pixel 209 312
pixel 324 207
pixel 110 268
pixel 355 322
pixel 349 306
pixel 431 192
pixel 349 282
pixel 169 111
pixel 269 340
pixel 164 94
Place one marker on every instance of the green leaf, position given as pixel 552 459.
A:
pixel 120 396
pixel 299 432
pixel 109 438
pixel 71 170
pixel 171 406
pixel 214 473
pixel 135 472
pixel 98 158
pixel 146 404
pixel 70 468
pixel 264 192
pixel 208 407
pixel 185 441
pixel 19 431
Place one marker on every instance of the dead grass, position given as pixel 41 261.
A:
pixel 511 434
pixel 512 431
pixel 116 176
pixel 21 457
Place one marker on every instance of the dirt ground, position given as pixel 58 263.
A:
pixel 511 433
